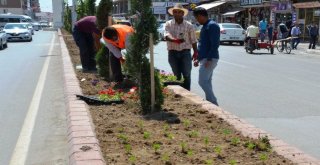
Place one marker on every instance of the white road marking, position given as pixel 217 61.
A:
pixel 238 65
pixel 22 146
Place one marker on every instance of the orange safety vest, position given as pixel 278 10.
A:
pixel 122 31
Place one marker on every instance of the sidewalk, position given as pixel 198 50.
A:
pixel 84 147
pixel 303 47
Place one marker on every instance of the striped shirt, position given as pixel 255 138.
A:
pixel 185 31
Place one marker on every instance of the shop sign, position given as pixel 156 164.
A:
pixel 250 2
pixel 159 10
pixel 316 13
pixel 281 6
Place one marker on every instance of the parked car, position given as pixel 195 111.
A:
pixel 161 31
pixel 30 27
pixel 231 32
pixel 17 31
pixel 3 40
pixel 36 26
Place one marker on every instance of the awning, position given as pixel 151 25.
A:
pixel 307 4
pixel 208 6
pixel 231 13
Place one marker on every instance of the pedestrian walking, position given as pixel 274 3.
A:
pixel 83 36
pixel 295 33
pixel 263 29
pixel 270 32
pixel 283 33
pixel 180 36
pixel 314 33
pixel 208 52
pixel 116 38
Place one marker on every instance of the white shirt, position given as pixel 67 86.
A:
pixel 252 31
pixel 114 50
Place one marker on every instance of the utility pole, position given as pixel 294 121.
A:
pixel 74 13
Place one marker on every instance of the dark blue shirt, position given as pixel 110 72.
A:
pixel 209 41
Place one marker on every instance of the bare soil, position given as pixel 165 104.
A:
pixel 182 133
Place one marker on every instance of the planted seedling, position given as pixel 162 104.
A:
pixel 217 150
pixel 233 162
pixel 166 127
pixel 169 135
pixel 206 142
pixel 140 125
pixel 186 123
pixel 209 162
pixel 193 134
pixel 146 135
pixel 128 148
pixel 183 147
pixel 235 141
pixel 264 144
pixel 250 145
pixel 123 138
pixel 263 157
pixel 156 147
pixel 132 159
pixel 189 152
pixel 165 157
pixel 226 132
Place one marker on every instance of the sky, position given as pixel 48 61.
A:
pixel 46 5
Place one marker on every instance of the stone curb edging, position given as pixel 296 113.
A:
pixel 83 145
pixel 248 130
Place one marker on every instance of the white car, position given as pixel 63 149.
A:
pixel 3 40
pixel 17 32
pixel 231 32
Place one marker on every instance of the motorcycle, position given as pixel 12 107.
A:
pixel 253 44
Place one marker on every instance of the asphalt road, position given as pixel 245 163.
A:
pixel 278 93
pixel 32 102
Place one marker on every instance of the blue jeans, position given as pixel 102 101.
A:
pixel 295 42
pixel 205 79
pixel 181 64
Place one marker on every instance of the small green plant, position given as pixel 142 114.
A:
pixel 121 129
pixel 140 125
pixel 209 162
pixel 226 132
pixel 186 123
pixel 217 150
pixel 128 148
pixel 189 152
pixel 250 145
pixel 156 147
pixel 165 157
pixel 232 162
pixel 183 147
pixel 132 159
pixel 263 144
pixel 263 157
pixel 193 134
pixel 206 142
pixel 166 127
pixel 146 135
pixel 169 135
pixel 235 141
pixel 123 138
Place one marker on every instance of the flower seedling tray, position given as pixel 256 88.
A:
pixel 93 100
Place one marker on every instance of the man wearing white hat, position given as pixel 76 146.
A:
pixel 180 36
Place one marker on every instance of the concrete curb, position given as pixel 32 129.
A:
pixel 83 145
pixel 248 130
pixel 81 134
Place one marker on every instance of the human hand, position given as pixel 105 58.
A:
pixel 122 60
pixel 196 63
pixel 195 56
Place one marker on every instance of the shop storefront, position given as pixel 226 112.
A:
pixel 236 16
pixel 307 13
pixel 256 11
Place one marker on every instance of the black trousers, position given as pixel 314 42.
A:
pixel 313 41
pixel 85 42
pixel 116 68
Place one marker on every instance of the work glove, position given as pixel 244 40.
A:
pixel 195 56
pixel 177 41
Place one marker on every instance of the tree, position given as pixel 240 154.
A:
pixel 81 9
pixel 103 12
pixel 67 20
pixel 91 7
pixel 137 62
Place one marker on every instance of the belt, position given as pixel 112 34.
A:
pixel 183 50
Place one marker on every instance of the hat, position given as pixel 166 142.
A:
pixel 178 6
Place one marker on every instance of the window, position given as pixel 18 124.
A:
pixel 13 20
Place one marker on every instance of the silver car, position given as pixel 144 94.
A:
pixel 3 40
pixel 17 32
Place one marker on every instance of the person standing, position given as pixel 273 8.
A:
pixel 116 38
pixel 314 33
pixel 208 52
pixel 284 33
pixel 295 33
pixel 263 29
pixel 180 36
pixel 270 32
pixel 82 34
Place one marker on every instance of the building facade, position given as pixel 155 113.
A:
pixel 23 7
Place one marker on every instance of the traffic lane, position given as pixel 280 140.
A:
pixel 49 137
pixel 20 68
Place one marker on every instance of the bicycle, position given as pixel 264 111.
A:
pixel 286 46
